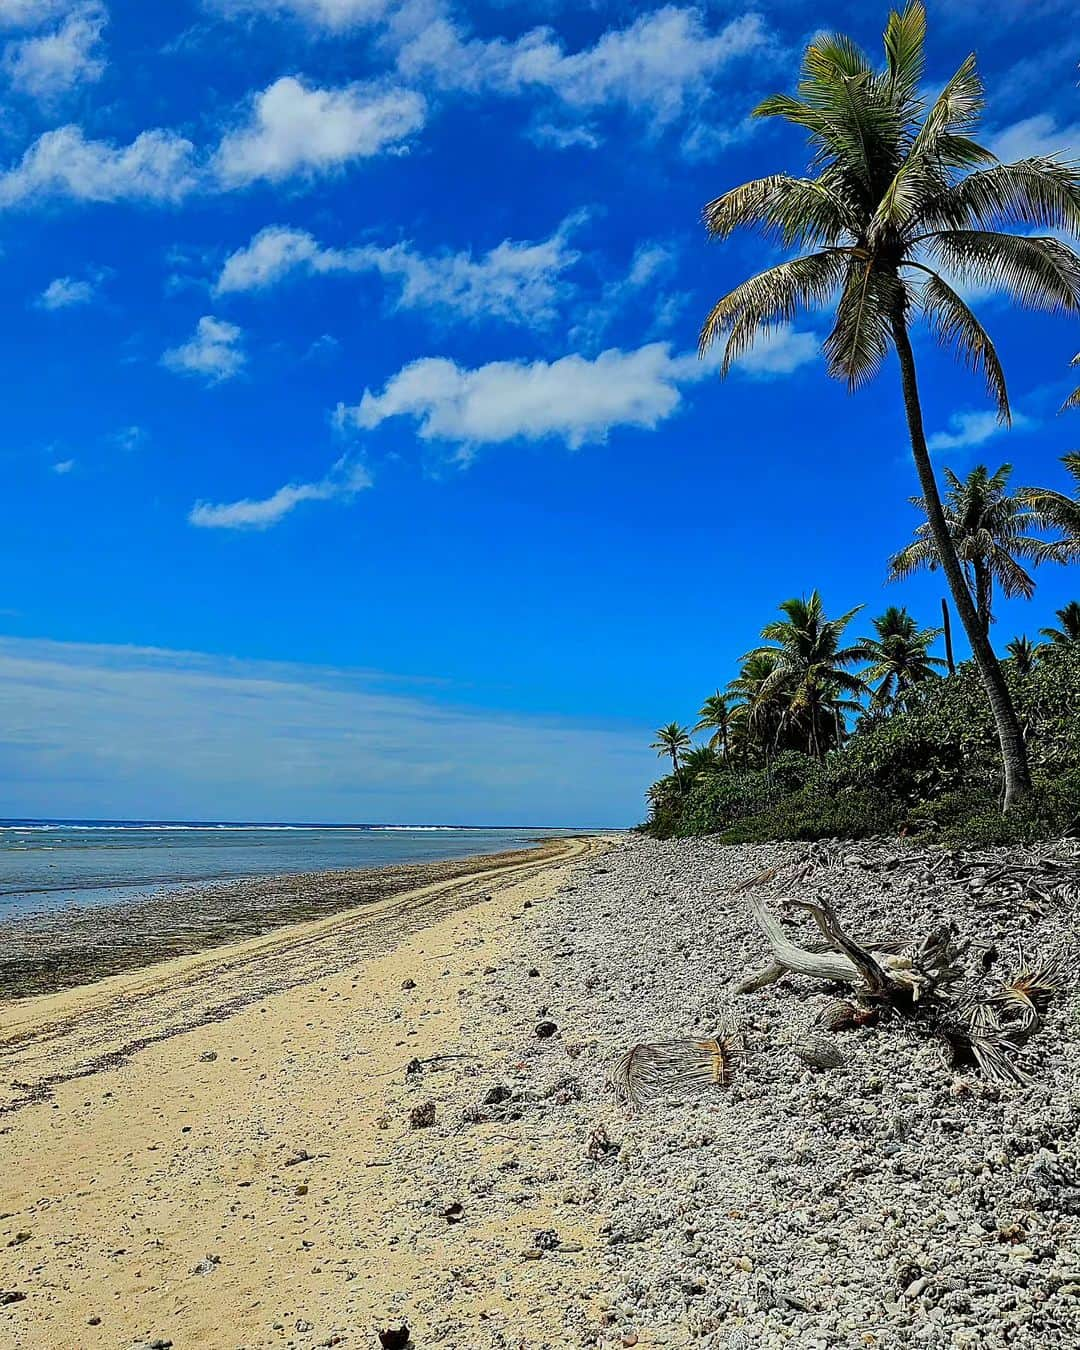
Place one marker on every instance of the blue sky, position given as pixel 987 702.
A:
pixel 357 461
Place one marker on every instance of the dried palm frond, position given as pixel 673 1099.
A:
pixel 1027 995
pixel 652 1070
pixel 975 1035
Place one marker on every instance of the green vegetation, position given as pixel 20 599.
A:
pixel 899 203
pixel 925 762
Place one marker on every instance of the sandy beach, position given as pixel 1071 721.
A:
pixel 402 1114
pixel 194 1159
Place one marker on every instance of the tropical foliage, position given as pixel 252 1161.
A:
pixel 900 204
pixel 923 762
pixel 809 682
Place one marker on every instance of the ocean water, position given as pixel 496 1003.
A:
pixel 50 865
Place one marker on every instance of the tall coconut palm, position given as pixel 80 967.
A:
pixel 899 198
pixel 672 740
pixel 988 527
pixel 811 667
pixel 1055 511
pixel 899 657
pixel 1069 632
pixel 757 696
pixel 1023 654
pixel 715 716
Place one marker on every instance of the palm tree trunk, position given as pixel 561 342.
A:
pixel 983 585
pixel 947 626
pixel 1013 751
pixel 678 771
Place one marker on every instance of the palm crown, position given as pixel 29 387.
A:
pixel 715 716
pixel 671 740
pixel 989 529
pixel 899 657
pixel 810 665
pixel 901 199
pixel 1069 632
pixel 1023 653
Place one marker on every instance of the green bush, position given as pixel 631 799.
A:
pixel 815 813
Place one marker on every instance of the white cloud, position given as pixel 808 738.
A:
pixel 64 292
pixel 293 129
pixel 156 167
pixel 214 353
pixel 53 63
pixel 64 466
pixel 573 399
pixel 29 13
pixel 123 732
pixel 1038 135
pixel 970 429
pixel 331 15
pixel 654 67
pixel 517 282
pixel 343 482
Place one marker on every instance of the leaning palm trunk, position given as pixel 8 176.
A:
pixel 1011 739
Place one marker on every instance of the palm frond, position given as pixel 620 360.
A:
pixel 793 210
pixel 1037 272
pixel 771 298
pixel 954 325
pixel 862 332
pixel 1038 192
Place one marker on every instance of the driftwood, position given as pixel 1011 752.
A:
pixel 922 980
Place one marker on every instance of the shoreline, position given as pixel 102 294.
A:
pixel 45 952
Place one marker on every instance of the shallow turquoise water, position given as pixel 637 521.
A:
pixel 51 865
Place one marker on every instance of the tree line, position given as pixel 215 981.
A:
pixel 900 212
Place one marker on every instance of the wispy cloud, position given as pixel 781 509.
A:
pixel 65 292
pixel 343 482
pixel 288 130
pixel 654 68
pixel 112 731
pixel 968 430
pixel 333 16
pixel 214 353
pixel 30 13
pixel 515 282
pixel 63 466
pixel 157 167
pixel 1037 135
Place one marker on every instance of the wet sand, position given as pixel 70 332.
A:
pixel 43 953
